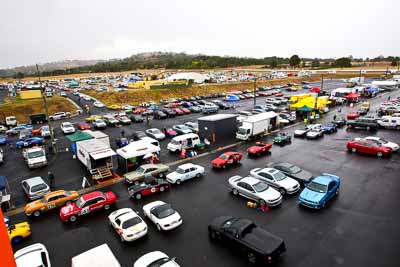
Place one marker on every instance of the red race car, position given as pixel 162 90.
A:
pixel 83 126
pixel 278 94
pixel 369 147
pixel 87 203
pixel 258 149
pixel 186 111
pixel 139 110
pixel 353 115
pixel 172 105
pixel 178 111
pixel 137 191
pixel 227 158
pixel 37 131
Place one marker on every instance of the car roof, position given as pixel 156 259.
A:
pixel 284 164
pixel 55 193
pixel 230 153
pixel 250 180
pixel 91 195
pixel 323 179
pixel 186 165
pixel 34 180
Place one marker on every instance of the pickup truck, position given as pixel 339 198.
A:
pixel 257 244
pixel 363 123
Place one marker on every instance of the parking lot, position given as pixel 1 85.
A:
pixel 360 222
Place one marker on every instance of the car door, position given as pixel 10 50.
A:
pixel 331 190
pixel 187 175
pixel 243 190
pixel 268 178
pixel 97 203
pixel 52 202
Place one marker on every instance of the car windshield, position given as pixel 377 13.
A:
pixel 174 142
pixel 320 188
pixel 35 154
pixel 180 171
pixel 382 141
pixel 279 176
pixel 38 187
pixel 141 170
pixel 260 187
pixel 294 169
pixel 242 131
pixel 163 211
pixel 79 203
pixel 131 222
pixel 159 262
pixel 156 131
pixel 223 156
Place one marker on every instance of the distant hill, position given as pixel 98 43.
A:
pixel 47 67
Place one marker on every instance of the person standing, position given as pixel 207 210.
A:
pixel 51 178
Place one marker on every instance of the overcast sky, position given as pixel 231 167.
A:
pixel 50 30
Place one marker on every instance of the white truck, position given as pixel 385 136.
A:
pixel 256 125
pixel 98 256
pixel 11 121
pixel 389 122
pixel 35 157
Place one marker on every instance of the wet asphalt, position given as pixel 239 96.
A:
pixel 359 228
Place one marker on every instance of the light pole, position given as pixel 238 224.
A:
pixel 254 91
pixel 53 143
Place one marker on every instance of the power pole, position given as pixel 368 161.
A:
pixel 359 80
pixel 53 143
pixel 322 81
pixel 254 90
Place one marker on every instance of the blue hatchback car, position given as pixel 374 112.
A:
pixel 329 128
pixel 320 191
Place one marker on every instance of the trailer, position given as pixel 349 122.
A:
pixel 100 256
pixel 97 157
pixel 257 125
pixel 99 135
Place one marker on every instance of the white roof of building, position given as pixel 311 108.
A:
pixel 196 77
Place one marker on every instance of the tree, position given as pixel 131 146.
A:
pixel 394 62
pixel 294 61
pixel 274 63
pixel 315 63
pixel 343 62
pixel 19 75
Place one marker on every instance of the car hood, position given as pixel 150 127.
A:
pixel 287 183
pixel 174 175
pixel 174 217
pixel 71 208
pixel 300 131
pixel 269 194
pixel 310 195
pixel 218 161
pixel 303 175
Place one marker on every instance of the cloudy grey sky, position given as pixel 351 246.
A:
pixel 49 30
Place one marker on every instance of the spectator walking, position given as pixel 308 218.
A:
pixel 51 178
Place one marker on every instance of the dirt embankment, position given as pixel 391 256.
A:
pixel 23 108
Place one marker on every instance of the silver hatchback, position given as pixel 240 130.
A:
pixel 35 187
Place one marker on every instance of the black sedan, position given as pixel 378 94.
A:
pixel 293 171
pixel 169 112
pixel 159 115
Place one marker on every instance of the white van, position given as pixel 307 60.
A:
pixel 100 256
pixel 183 142
pixel 389 122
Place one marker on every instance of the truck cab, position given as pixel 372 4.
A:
pixel 11 121
pixel 35 157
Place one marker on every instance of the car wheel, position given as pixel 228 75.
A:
pixel 368 128
pixel 72 218
pixel 107 207
pixel 37 213
pixel 323 204
pixel 282 191
pixel 158 227
pixel 235 192
pixel 379 154
pixel 198 175
pixel 16 240
pixel 251 257
pixel 138 196
pixel 178 181
pixel 262 202
pixel 223 166
pixel 337 192
pixel 398 127
pixel 258 154
pixel 122 239
pixel 213 235
pixel 161 175
pixel 162 188
pixel 354 150
pixel 68 202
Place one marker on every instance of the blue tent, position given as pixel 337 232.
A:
pixel 232 98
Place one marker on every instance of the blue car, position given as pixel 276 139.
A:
pixel 186 104
pixel 3 140
pixel 329 128
pixel 320 191
pixel 29 142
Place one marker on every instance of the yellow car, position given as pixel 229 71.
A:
pixel 92 118
pixel 114 106
pixel 19 231
pixel 366 105
pixel 50 201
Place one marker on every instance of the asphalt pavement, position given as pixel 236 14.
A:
pixel 359 228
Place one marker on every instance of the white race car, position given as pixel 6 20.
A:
pixel 162 215
pixel 155 133
pixel 382 142
pixel 67 128
pixel 155 258
pixel 185 172
pixel 277 179
pixel 98 104
pixel 128 225
pixel 315 132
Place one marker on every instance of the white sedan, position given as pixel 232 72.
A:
pixel 67 128
pixel 382 142
pixel 185 172
pixel 98 104
pixel 276 179
pixel 315 132
pixel 155 258
pixel 162 215
pixel 128 225
pixel 155 133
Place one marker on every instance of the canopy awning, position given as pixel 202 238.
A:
pixel 137 149
pixel 352 95
pixel 305 108
pixel 79 136
pixel 315 90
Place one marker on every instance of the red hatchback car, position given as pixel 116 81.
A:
pixel 87 203
pixel 258 149
pixel 353 115
pixel 369 147
pixel 186 111
pixel 228 158
pixel 83 126
pixel 178 111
